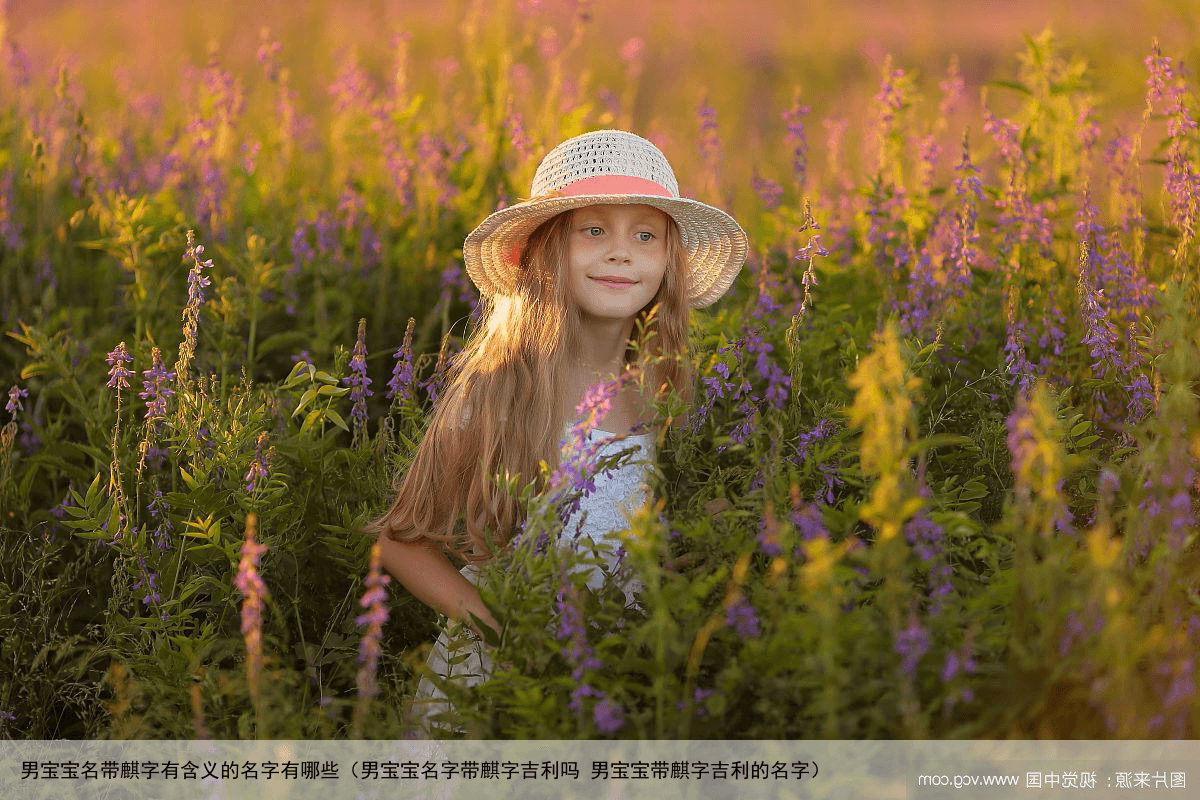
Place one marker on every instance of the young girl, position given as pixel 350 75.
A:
pixel 568 278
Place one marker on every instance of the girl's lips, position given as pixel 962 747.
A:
pixel 613 284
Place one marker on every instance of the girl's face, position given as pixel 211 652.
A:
pixel 617 255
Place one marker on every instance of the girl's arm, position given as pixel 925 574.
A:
pixel 432 579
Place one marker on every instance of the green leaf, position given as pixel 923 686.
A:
pixel 305 399
pixel 310 420
pixel 336 419
pixel 92 493
pixel 36 368
pixel 188 479
pixel 1017 87
pixel 293 378
pixel 332 391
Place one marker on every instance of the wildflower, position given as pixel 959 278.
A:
pixel 911 644
pixel 162 534
pixel 258 466
pixel 359 383
pixel 1101 337
pixel 793 119
pixel 577 650
pixel 576 472
pixel 254 594
pixel 374 600
pixel 197 281
pixel 402 375
pixel 807 439
pixel 1168 90
pixel 968 191
pixel 14 400
pixel 522 145
pixel 118 375
pixel 740 616
pixel 809 523
pixel 609 716
pixel 157 390
pixel 148 582
pixel 709 141
pixel 769 192
pixel 952 88
pixel 633 50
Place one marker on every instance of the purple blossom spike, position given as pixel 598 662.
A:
pixel 197 281
pixel 1101 336
pixel 575 476
pixel 609 717
pixel 741 616
pixel 118 375
pixel 374 600
pixel 14 400
pixel 359 383
pixel 769 192
pixel 709 145
pixel 579 653
pixel 254 594
pixel 911 643
pixel 797 139
pixel 400 386
pixel 157 389
pixel 258 466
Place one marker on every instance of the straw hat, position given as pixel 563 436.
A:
pixel 608 167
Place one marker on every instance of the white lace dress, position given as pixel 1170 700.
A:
pixel 457 655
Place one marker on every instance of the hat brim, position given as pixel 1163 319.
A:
pixel 716 245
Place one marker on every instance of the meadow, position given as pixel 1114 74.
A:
pixel 939 479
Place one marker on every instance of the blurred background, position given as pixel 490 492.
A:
pixel 748 57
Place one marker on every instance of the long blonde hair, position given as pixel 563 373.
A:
pixel 502 411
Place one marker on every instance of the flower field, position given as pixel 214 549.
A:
pixel 939 479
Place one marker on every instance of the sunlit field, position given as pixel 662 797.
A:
pixel 939 479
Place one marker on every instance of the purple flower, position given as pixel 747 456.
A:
pixel 1101 337
pixel 258 466
pixel 769 192
pixel 197 281
pixel 359 383
pixel 157 389
pixel 118 375
pixel 254 594
pixel 807 439
pixel 740 616
pixel 793 118
pixel 609 716
pixel 14 400
pixel 952 88
pixel 402 375
pixel 149 583
pixel 578 652
pixel 911 643
pixel 374 600
pixel 709 145
pixel 809 522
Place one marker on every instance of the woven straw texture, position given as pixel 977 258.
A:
pixel 716 245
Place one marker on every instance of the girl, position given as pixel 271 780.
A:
pixel 569 279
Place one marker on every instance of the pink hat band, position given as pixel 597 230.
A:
pixel 612 184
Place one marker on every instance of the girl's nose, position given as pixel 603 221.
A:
pixel 618 253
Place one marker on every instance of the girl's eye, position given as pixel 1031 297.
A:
pixel 645 236
pixel 594 230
